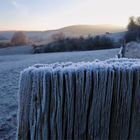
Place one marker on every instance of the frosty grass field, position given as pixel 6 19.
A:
pixel 13 63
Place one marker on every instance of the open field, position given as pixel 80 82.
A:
pixel 12 64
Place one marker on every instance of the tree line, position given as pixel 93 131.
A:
pixel 76 44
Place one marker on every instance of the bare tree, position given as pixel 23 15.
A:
pixel 19 38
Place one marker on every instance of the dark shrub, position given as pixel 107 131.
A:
pixel 130 36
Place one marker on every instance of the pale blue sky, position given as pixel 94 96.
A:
pixel 52 14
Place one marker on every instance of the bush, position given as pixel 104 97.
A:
pixel 130 36
pixel 102 42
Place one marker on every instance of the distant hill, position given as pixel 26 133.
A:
pixel 91 29
pixel 71 31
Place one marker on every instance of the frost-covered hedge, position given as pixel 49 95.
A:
pixel 86 100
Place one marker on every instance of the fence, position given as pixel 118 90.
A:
pixel 92 100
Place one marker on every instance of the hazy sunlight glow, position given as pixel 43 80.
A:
pixel 51 14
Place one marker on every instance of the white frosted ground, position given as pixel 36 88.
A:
pixel 10 67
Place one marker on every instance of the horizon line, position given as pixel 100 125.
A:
pixel 53 29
